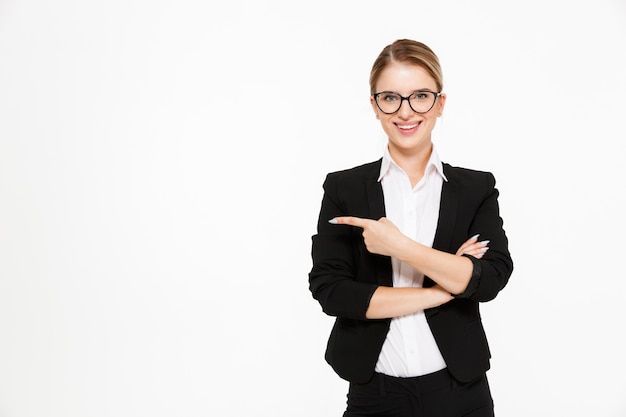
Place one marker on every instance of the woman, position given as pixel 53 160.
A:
pixel 400 258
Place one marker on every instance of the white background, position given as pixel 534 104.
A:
pixel 161 165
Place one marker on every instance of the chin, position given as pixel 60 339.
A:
pixel 410 143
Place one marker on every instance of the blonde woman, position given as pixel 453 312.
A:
pixel 406 249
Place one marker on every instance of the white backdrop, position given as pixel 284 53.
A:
pixel 161 165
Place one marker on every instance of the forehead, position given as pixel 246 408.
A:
pixel 404 78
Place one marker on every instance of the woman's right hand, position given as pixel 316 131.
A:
pixel 473 247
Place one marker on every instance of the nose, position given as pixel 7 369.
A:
pixel 405 111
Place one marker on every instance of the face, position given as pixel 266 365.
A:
pixel 408 132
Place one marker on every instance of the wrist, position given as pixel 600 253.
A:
pixel 405 249
pixel 439 296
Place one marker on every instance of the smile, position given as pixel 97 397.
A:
pixel 408 127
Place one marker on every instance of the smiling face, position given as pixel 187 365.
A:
pixel 409 132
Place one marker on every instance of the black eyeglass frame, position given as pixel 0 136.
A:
pixel 436 93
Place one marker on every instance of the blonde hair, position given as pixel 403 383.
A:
pixel 411 52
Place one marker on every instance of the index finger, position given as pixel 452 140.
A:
pixel 352 221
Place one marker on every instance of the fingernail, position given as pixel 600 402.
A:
pixel 485 249
pixel 474 237
pixel 484 242
pixel 332 221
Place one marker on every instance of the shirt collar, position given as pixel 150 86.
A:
pixel 433 163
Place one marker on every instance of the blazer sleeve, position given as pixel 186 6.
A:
pixel 490 273
pixel 336 250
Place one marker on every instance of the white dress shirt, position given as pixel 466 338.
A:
pixel 410 348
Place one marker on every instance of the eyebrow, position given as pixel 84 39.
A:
pixel 420 90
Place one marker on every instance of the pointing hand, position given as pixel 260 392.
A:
pixel 381 236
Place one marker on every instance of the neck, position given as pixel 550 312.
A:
pixel 413 162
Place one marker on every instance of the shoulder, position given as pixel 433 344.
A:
pixel 364 169
pixel 352 182
pixel 370 170
pixel 469 181
pixel 467 175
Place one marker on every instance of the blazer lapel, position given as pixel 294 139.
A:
pixel 445 225
pixel 447 212
pixel 375 199
pixel 448 209
pixel 376 203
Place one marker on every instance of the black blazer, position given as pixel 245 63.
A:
pixel 344 274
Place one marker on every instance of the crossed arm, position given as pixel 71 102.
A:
pixel 451 273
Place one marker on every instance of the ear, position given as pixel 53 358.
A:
pixel 441 103
pixel 374 107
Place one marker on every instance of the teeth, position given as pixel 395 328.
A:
pixel 407 127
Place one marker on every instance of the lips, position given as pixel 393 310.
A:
pixel 408 128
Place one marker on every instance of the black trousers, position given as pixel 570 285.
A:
pixel 433 395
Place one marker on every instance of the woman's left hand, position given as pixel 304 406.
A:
pixel 473 247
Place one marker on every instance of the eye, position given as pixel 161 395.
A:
pixel 389 97
pixel 422 95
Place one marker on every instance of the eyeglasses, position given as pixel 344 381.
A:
pixel 420 101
